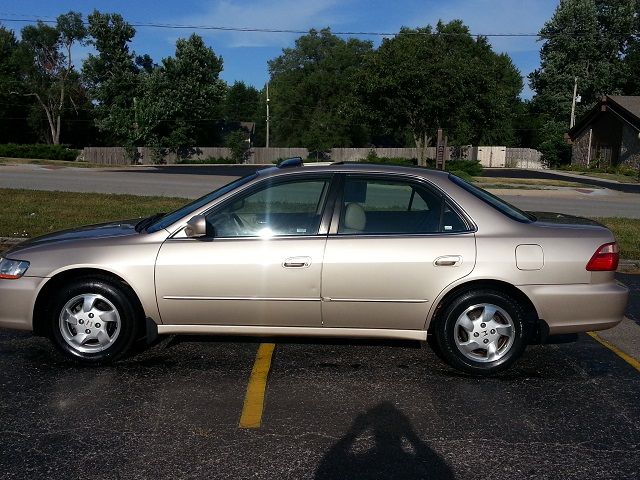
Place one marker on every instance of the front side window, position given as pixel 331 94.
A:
pixel 379 206
pixel 292 208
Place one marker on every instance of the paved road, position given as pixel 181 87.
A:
pixel 192 182
pixel 333 411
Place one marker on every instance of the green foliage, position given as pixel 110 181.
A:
pixel 242 103
pixel 614 170
pixel 205 161
pixel 181 99
pixel 312 92
pixel 12 106
pixel 45 152
pixel 580 41
pixel 112 77
pixel 462 174
pixel 555 150
pixel 237 143
pixel 470 167
pixel 49 76
pixel 428 78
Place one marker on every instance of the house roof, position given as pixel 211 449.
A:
pixel 627 108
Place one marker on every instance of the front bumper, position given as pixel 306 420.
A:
pixel 580 307
pixel 17 299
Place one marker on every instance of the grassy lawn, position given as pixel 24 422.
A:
pixel 60 163
pixel 627 232
pixel 28 213
pixel 610 176
pixel 523 183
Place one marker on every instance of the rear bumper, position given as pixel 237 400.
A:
pixel 580 307
pixel 17 299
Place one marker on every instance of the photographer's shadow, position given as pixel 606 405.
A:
pixel 381 444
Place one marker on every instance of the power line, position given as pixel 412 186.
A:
pixel 174 26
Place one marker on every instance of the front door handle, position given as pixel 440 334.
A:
pixel 448 261
pixel 297 262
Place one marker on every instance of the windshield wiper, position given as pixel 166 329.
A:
pixel 145 222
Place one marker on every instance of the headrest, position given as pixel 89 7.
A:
pixel 354 217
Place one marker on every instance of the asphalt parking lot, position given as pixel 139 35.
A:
pixel 332 411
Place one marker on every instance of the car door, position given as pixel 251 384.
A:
pixel 260 263
pixel 395 243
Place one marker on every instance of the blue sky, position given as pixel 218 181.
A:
pixel 245 54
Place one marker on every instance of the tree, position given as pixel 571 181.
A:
pixel 239 146
pixel 13 121
pixel 50 78
pixel 112 76
pixel 585 39
pixel 242 103
pixel 312 90
pixel 181 100
pixel 425 79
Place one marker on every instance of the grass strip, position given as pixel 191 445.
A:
pixel 29 213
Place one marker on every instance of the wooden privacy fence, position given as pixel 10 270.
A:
pixel 488 156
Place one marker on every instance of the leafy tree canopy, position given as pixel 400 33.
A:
pixel 312 89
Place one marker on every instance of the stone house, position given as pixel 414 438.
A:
pixel 609 134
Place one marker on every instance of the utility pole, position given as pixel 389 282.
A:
pixel 268 115
pixel 576 99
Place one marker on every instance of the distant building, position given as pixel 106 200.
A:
pixel 608 135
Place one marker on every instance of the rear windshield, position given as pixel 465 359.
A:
pixel 496 202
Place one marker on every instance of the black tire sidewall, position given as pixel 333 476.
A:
pixel 113 293
pixel 445 331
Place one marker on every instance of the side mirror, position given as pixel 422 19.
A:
pixel 196 227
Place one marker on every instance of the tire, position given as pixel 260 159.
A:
pixel 103 310
pixel 482 332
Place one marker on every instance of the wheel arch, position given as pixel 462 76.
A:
pixel 40 326
pixel 499 285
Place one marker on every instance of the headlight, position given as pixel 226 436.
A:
pixel 12 269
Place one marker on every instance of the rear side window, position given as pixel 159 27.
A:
pixel 380 206
pixel 496 202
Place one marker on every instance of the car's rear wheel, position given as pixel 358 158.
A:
pixel 481 332
pixel 93 321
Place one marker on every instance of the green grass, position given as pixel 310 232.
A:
pixel 627 232
pixel 59 163
pixel 610 176
pixel 524 183
pixel 29 213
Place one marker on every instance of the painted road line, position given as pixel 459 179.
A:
pixel 254 399
pixel 627 358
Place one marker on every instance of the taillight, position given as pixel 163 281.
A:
pixel 605 259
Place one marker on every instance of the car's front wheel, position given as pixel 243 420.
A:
pixel 93 321
pixel 481 332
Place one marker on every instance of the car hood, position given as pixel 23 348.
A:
pixel 563 219
pixel 111 229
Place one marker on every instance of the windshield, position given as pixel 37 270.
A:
pixel 495 202
pixel 173 217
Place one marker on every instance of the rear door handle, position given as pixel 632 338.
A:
pixel 448 261
pixel 297 262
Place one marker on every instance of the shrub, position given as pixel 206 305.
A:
pixel 471 167
pixel 462 174
pixel 372 157
pixel 237 143
pixel 39 151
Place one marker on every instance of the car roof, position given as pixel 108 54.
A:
pixel 355 167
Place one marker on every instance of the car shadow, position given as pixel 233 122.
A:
pixel 382 444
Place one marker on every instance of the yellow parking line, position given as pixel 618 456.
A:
pixel 254 399
pixel 627 358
